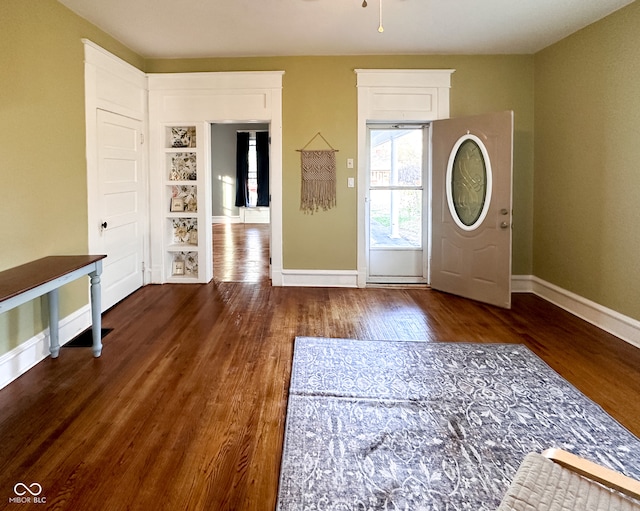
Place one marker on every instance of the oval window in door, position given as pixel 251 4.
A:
pixel 469 181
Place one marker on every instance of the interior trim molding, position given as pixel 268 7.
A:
pixel 23 357
pixel 207 98
pixel 521 284
pixel 609 320
pixel 319 278
pixel 115 86
pixel 389 96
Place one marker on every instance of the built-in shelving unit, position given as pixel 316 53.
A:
pixel 184 196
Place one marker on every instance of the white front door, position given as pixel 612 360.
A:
pixel 472 162
pixel 122 205
pixel 395 211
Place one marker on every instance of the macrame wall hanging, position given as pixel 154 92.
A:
pixel 318 177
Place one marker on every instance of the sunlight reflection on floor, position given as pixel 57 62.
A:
pixel 241 252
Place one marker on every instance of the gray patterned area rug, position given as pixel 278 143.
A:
pixel 381 425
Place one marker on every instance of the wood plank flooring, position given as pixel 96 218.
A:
pixel 185 409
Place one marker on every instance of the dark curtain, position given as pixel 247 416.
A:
pixel 262 155
pixel 242 170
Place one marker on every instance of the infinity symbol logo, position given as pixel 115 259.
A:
pixel 21 489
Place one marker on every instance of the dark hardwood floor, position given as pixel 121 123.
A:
pixel 185 409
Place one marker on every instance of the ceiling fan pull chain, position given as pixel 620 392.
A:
pixel 380 27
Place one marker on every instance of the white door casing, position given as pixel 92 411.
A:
pixel 206 98
pixel 473 259
pixel 117 170
pixel 393 96
pixel 122 196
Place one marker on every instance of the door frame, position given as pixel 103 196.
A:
pixel 425 132
pixel 115 86
pixel 217 98
pixel 401 96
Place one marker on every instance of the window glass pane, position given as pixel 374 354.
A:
pixel 395 218
pixel 396 157
pixel 469 182
pixel 252 178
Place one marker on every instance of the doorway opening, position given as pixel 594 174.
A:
pixel 396 212
pixel 240 202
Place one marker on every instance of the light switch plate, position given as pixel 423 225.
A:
pixel 351 182
pixel 349 163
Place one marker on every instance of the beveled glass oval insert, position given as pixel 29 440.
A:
pixel 468 182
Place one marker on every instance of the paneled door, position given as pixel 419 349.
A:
pixel 122 205
pixel 472 160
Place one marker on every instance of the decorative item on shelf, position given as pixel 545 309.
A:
pixel 177 204
pixel 183 229
pixel 177 268
pixel 191 204
pixel 190 263
pixel 183 136
pixel 184 264
pixel 193 237
pixel 183 167
pixel 188 195
pixel 318 177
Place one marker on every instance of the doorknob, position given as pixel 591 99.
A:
pixel 504 225
pixel 103 225
pixel 504 211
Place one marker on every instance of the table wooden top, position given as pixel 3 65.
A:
pixel 20 279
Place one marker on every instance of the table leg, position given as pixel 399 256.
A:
pixel 96 313
pixel 54 338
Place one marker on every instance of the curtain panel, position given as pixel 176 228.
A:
pixel 242 169
pixel 262 156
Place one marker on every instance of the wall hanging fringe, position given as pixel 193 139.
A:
pixel 318 177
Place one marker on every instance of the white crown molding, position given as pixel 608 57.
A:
pixel 404 77
pixel 211 80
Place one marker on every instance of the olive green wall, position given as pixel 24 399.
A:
pixel 43 169
pixel 319 94
pixel 587 171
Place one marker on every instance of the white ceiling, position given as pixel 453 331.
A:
pixel 234 28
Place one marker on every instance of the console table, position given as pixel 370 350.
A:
pixel 45 276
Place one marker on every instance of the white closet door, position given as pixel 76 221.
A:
pixel 122 202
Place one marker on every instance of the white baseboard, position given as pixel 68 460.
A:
pixel 319 278
pixel 225 219
pixel 624 327
pixel 521 283
pixel 256 215
pixel 23 357
pixel 155 274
